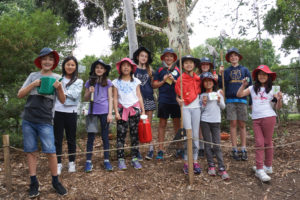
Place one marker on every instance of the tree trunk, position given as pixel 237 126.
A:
pixel 132 38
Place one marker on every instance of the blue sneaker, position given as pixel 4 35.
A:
pixel 197 168
pixel 139 156
pixel 88 167
pixel 160 155
pixel 122 165
pixel 107 166
pixel 149 156
pixel 135 163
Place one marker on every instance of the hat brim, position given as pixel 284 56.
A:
pixel 202 80
pixel 107 67
pixel 162 56
pixel 210 64
pixel 118 65
pixel 137 53
pixel 272 74
pixel 195 60
pixel 37 61
pixel 228 54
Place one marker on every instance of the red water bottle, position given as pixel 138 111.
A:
pixel 144 129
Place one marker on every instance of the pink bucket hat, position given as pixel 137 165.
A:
pixel 126 60
pixel 265 69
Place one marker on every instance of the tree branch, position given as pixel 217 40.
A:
pixel 146 25
pixel 105 19
pixel 193 4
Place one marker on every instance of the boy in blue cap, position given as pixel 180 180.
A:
pixel 236 108
pixel 38 116
pixel 165 79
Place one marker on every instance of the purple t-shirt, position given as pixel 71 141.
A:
pixel 100 105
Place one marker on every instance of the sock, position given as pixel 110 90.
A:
pixel 151 148
pixel 234 149
pixel 33 179
pixel 54 179
pixel 201 145
pixel 88 161
pixel 243 148
pixel 106 160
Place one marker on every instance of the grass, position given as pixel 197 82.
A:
pixel 294 116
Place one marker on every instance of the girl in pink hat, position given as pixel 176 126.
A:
pixel 128 105
pixel 263 116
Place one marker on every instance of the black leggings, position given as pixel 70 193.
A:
pixel 68 122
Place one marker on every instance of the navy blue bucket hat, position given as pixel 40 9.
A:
pixel 100 61
pixel 137 53
pixel 233 50
pixel 168 50
pixel 189 57
pixel 207 75
pixel 206 60
pixel 46 51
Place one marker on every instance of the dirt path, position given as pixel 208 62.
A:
pixel 164 179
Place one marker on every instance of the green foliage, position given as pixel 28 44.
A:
pixel 285 20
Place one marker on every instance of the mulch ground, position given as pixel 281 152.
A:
pixel 164 179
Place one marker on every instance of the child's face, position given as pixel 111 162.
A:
pixel 205 67
pixel 126 68
pixel 70 67
pixel 208 83
pixel 188 65
pixel 262 77
pixel 143 57
pixel 99 70
pixel 169 58
pixel 47 62
pixel 234 58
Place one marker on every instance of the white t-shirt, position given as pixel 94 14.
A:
pixel 261 106
pixel 194 104
pixel 127 91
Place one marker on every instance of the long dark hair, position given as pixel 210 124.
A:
pixel 102 80
pixel 121 74
pixel 75 73
pixel 257 84
pixel 215 87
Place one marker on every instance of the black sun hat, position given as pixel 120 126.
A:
pixel 100 61
pixel 189 57
pixel 233 50
pixel 137 53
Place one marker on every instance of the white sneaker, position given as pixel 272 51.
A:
pixel 72 167
pixel 268 170
pixel 59 168
pixel 261 174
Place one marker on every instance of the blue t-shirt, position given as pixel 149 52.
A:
pixel 166 91
pixel 146 88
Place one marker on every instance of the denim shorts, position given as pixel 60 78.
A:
pixel 31 132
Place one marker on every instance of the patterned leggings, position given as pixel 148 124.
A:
pixel 122 127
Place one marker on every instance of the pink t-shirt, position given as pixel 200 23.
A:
pixel 261 106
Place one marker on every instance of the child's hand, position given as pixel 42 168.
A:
pixel 204 100
pixel 171 77
pixel 118 117
pixel 245 82
pixel 278 96
pixel 166 77
pixel 91 89
pixel 221 69
pixel 57 84
pixel 109 118
pixel 180 101
pixel 219 98
pixel 36 83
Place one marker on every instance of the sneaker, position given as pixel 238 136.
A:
pixel 211 171
pixel 72 167
pixel 107 166
pixel 261 174
pixel 59 168
pixel 139 156
pixel 59 188
pixel 201 153
pixel 243 155
pixel 34 190
pixel 160 155
pixel 136 164
pixel 88 167
pixel 268 170
pixel 236 156
pixel 197 168
pixel 122 165
pixel 149 156
pixel 224 175
pixel 185 169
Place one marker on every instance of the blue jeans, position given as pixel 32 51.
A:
pixel 31 132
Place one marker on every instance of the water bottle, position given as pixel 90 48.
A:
pixel 144 130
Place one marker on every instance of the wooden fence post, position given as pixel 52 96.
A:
pixel 7 162
pixel 190 155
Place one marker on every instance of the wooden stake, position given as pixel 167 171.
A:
pixel 190 155
pixel 7 162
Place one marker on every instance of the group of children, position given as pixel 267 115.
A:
pixel 131 95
